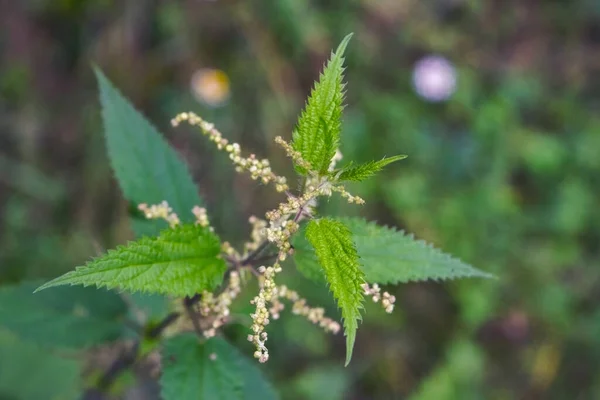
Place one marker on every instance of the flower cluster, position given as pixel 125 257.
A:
pixel 293 154
pixel 201 217
pixel 315 315
pixel 270 293
pixel 280 235
pixel 230 252
pixel 260 318
pixel 278 227
pixel 351 199
pixel 164 211
pixel 259 169
pixel 216 308
pixel 282 224
pixel 257 236
pixel 283 221
pixel 160 211
pixel 387 300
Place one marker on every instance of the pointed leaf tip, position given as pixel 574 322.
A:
pixel 317 133
pixel 406 259
pixel 350 338
pixel 337 256
pixel 364 171
pixel 343 44
pixel 180 261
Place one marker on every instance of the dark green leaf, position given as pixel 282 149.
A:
pixel 28 372
pixel 147 168
pixel 194 370
pixel 391 256
pixel 148 307
pixel 66 317
pixel 256 387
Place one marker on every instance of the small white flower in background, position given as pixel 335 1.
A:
pixel 210 86
pixel 375 292
pixel 434 78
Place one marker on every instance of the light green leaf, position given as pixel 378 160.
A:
pixel 181 261
pixel 361 172
pixel 29 372
pixel 317 134
pixel 147 168
pixel 69 317
pixel 305 258
pixel 332 242
pixel 194 370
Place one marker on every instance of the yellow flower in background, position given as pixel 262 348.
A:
pixel 210 86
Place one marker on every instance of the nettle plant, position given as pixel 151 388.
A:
pixel 187 261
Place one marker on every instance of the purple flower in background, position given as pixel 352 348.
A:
pixel 434 78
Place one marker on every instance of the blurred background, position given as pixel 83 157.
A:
pixel 496 103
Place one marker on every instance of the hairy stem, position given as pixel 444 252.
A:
pixel 251 257
pixel 188 303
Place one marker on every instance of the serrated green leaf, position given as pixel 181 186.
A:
pixel 189 372
pixel 332 242
pixel 147 168
pixel 305 258
pixel 29 372
pixel 391 256
pixel 181 261
pixel 361 172
pixel 317 133
pixel 194 370
pixel 68 317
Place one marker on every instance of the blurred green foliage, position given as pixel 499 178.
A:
pixel 505 174
pixel 29 372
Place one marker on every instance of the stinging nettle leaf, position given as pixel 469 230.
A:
pixel 67 317
pixel 336 253
pixel 147 168
pixel 194 370
pixel 317 133
pixel 405 259
pixel 305 258
pixel 361 172
pixel 256 386
pixel 181 261
pixel 210 370
pixel 391 256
